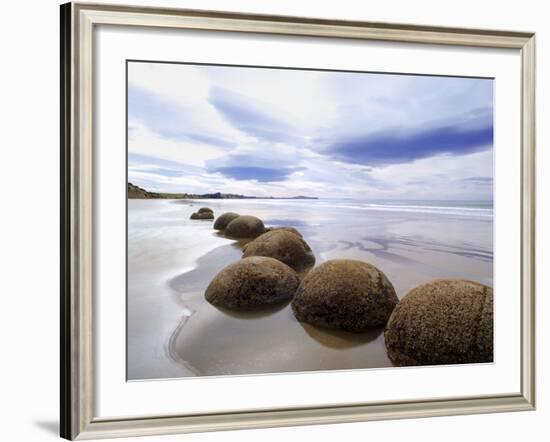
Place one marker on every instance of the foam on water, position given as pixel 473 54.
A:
pixel 450 207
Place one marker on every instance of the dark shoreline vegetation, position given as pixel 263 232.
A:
pixel 136 192
pixel 443 321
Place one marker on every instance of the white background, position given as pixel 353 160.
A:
pixel 29 234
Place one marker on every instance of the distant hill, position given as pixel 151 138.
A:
pixel 136 192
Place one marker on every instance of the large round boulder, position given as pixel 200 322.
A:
pixel 202 215
pixel 252 283
pixel 442 322
pixel 283 245
pixel 286 228
pixel 245 226
pixel 224 219
pixel 205 209
pixel 345 294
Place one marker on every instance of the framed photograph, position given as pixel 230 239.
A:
pixel 273 220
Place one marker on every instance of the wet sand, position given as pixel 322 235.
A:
pixel 217 341
pixel 174 332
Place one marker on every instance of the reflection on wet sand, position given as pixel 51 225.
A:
pixel 216 341
pixel 253 314
pixel 341 339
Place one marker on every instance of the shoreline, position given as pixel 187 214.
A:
pixel 263 326
pixel 155 255
pixel 174 284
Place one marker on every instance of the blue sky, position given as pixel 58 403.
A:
pixel 276 132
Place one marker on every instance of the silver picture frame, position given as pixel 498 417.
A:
pixel 77 216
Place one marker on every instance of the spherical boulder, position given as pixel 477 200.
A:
pixel 286 228
pixel 442 322
pixel 224 219
pixel 252 283
pixel 202 215
pixel 345 294
pixel 245 226
pixel 205 209
pixel 284 246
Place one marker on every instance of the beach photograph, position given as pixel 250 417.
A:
pixel 284 220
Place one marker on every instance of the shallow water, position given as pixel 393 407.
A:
pixel 174 332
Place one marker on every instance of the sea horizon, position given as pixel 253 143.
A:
pixel 482 208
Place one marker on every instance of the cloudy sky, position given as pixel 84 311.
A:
pixel 276 132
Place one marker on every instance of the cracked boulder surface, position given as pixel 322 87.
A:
pixel 202 215
pixel 245 226
pixel 252 283
pixel 285 228
pixel 345 294
pixel 224 219
pixel 442 322
pixel 284 246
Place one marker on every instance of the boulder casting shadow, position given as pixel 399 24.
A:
pixel 254 314
pixel 202 216
pixel 224 219
pixel 284 246
pixel 339 338
pixel 252 283
pixel 442 322
pixel 245 226
pixel 345 294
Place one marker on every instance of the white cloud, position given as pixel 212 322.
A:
pixel 144 142
pixel 186 87
pixel 319 108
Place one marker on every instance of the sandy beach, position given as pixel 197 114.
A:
pixel 174 332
